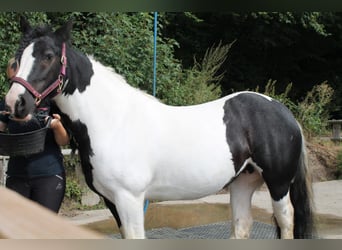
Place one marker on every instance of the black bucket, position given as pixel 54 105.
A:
pixel 23 144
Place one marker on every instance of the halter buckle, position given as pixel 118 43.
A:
pixel 60 83
pixel 38 100
pixel 63 60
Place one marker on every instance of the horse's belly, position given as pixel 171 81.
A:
pixel 192 169
pixel 188 181
pixel 193 156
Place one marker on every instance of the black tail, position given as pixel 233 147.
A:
pixel 302 201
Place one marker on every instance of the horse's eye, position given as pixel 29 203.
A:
pixel 12 68
pixel 48 56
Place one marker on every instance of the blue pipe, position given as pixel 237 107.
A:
pixel 147 202
pixel 155 54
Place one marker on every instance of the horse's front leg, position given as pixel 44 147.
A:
pixel 131 213
pixel 241 192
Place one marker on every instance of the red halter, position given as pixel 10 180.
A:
pixel 58 84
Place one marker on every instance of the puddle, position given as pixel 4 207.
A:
pixel 189 215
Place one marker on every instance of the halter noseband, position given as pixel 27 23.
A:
pixel 58 84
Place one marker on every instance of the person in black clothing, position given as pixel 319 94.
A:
pixel 39 177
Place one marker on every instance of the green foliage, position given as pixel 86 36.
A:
pixel 124 41
pixel 307 20
pixel 312 112
pixel 339 166
pixel 201 83
pixel 297 47
pixel 283 97
pixel 73 190
pixel 9 40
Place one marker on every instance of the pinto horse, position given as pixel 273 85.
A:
pixel 133 147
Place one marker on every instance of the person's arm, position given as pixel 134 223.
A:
pixel 60 133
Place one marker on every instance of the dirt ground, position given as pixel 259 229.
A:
pixel 322 157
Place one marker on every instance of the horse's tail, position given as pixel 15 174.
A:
pixel 302 198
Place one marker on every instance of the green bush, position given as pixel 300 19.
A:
pixel 312 112
pixel 123 41
pixel 270 90
pixel 339 166
pixel 201 82
pixel 73 190
pixel 9 40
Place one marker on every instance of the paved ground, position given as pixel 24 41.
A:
pixel 327 197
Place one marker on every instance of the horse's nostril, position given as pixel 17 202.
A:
pixel 21 110
pixel 21 102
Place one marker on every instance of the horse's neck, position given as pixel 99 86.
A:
pixel 107 91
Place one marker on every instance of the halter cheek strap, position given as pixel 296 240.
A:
pixel 58 84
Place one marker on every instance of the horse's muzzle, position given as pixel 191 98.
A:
pixel 21 108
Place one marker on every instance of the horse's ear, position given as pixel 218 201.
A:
pixel 24 24
pixel 64 31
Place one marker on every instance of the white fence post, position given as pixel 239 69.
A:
pixel 336 129
pixel 3 169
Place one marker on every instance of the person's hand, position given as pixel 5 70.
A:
pixel 61 135
pixel 56 121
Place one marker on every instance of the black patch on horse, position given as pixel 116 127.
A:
pixel 79 72
pixel 80 140
pixel 266 132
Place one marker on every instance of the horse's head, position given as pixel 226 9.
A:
pixel 39 68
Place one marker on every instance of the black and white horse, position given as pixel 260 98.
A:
pixel 133 147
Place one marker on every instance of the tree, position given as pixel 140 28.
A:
pixel 9 40
pixel 300 48
pixel 124 41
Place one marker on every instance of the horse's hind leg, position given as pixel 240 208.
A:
pixel 283 212
pixel 241 191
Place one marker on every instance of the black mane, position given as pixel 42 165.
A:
pixel 79 71
pixel 30 35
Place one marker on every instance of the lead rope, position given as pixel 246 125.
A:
pixel 154 85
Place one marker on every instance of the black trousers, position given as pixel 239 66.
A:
pixel 47 191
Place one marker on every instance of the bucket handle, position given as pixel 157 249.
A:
pixel 48 122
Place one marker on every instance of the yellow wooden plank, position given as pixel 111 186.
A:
pixel 21 218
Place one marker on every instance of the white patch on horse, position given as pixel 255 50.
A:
pixel 250 92
pixel 12 95
pixel 245 164
pixel 148 143
pixel 283 212
pixel 241 192
pixel 26 64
